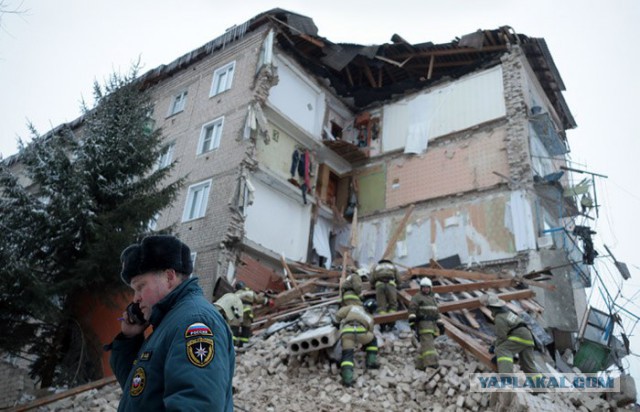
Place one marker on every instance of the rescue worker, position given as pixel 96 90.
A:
pixel 352 288
pixel 513 337
pixel 424 317
pixel 230 307
pixel 242 334
pixel 385 279
pixel 188 362
pixel 356 328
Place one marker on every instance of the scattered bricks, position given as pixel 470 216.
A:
pixel 460 401
pixel 451 392
pixel 470 403
pixel 431 386
pixel 346 398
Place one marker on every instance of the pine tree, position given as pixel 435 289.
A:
pixel 89 192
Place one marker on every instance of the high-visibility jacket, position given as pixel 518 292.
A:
pixel 385 272
pixel 351 289
pixel 354 317
pixel 424 307
pixel 511 327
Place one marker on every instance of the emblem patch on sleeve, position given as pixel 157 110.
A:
pixel 197 329
pixel 138 382
pixel 200 351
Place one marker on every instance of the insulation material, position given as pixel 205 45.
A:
pixel 321 232
pixel 285 232
pixel 418 130
pixel 521 221
pixel 394 127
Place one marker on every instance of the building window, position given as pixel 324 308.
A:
pixel 179 101
pixel 196 204
pixel 222 79
pixel 210 136
pixel 166 157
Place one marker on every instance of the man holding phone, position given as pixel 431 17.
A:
pixel 188 362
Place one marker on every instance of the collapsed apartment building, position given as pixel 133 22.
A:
pixel 284 134
pixel 301 150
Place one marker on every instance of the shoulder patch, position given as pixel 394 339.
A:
pixel 201 351
pixel 197 329
pixel 138 382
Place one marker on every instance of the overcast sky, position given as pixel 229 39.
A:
pixel 51 54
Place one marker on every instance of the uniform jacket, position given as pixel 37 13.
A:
pixel 385 272
pixel 186 364
pixel 425 307
pixel 352 287
pixel 506 321
pixel 248 298
pixel 355 313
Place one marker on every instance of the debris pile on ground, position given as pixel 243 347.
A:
pixel 269 378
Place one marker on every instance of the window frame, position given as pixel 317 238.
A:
pixel 166 156
pixel 215 125
pixel 178 103
pixel 192 202
pixel 220 75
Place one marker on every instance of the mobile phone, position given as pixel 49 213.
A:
pixel 134 314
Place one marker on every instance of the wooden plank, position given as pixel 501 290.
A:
pixel 465 287
pixel 469 344
pixel 62 395
pixel 290 275
pixel 465 312
pixel 484 337
pixel 260 321
pixel 535 283
pixel 451 273
pixel 352 244
pixel 475 302
pixel 291 294
pixel 392 242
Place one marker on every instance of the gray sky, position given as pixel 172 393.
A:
pixel 51 54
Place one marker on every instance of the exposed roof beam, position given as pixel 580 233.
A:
pixel 451 52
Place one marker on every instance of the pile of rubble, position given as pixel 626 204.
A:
pixel 269 378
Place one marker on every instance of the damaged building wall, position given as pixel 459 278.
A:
pixel 477 229
pixel 411 123
pixel 220 166
pixel 460 165
pixel 298 98
pixel 278 220
pixel 565 306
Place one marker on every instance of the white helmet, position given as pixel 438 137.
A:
pixel 363 273
pixel 425 283
pixel 231 306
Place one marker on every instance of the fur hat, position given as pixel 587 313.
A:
pixel 155 253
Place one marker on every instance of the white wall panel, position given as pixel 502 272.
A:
pixel 286 231
pixel 456 106
pixel 297 98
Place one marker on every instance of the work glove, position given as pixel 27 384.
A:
pixel 271 303
pixel 492 349
pixel 440 327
